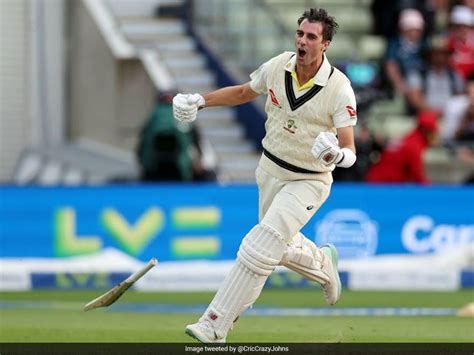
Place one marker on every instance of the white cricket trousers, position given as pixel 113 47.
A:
pixel 285 206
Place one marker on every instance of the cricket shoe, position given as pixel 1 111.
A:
pixel 332 289
pixel 204 332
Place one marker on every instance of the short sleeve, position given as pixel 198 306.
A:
pixel 345 114
pixel 258 79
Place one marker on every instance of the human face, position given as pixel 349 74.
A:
pixel 460 32
pixel 309 43
pixel 413 35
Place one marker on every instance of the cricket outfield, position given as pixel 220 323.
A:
pixel 288 315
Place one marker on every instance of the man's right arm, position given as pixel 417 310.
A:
pixel 230 96
pixel 185 106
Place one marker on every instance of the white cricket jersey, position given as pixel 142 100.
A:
pixel 295 117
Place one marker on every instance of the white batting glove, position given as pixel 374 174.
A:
pixel 186 106
pixel 326 148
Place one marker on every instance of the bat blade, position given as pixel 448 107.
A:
pixel 117 291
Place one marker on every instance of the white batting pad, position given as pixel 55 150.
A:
pixel 260 252
pixel 305 258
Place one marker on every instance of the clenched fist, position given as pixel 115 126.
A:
pixel 326 148
pixel 186 106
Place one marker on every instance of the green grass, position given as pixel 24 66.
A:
pixel 68 323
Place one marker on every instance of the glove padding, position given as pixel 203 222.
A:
pixel 186 106
pixel 326 148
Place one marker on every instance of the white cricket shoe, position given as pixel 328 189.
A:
pixel 204 332
pixel 332 289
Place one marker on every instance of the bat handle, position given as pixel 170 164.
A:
pixel 134 277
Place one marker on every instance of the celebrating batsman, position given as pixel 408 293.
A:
pixel 311 112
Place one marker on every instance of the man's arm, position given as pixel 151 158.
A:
pixel 347 145
pixel 230 96
pixel 186 106
pixel 345 136
pixel 339 150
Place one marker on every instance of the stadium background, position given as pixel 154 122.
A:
pixel 79 79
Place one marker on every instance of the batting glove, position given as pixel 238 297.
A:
pixel 326 148
pixel 186 106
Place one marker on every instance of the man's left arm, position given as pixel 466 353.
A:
pixel 339 150
pixel 345 137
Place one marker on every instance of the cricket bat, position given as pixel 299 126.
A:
pixel 116 292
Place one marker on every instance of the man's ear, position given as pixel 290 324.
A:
pixel 326 45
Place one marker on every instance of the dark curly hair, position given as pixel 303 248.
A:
pixel 330 26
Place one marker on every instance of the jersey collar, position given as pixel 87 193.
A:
pixel 321 77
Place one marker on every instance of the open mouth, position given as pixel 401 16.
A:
pixel 301 53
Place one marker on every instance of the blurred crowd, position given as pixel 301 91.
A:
pixel 429 62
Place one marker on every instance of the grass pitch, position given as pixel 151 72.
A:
pixel 57 316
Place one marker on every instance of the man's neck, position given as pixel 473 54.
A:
pixel 306 72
